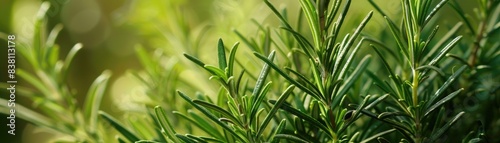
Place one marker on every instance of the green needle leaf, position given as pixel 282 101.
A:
pixel 439 71
pixel 290 79
pixel 434 11
pixel 273 111
pixel 211 116
pixel 216 71
pixel 287 26
pixel 162 118
pixel 218 109
pixel 262 78
pixel 69 58
pixel 354 36
pixel 377 135
pixel 442 101
pixel 146 141
pixel 195 60
pixel 197 139
pixel 396 35
pixel 232 56
pixel 290 138
pixel 185 139
pixel 452 32
pixel 209 139
pixel 201 123
pixel 222 55
pixel 354 76
pixel 374 103
pixel 302 77
pixel 313 20
pixel 257 102
pixel 441 131
pixel 397 125
pixel 278 130
pixel 445 50
pixel 443 87
pixel 384 115
pixel 93 100
pixel 302 115
pixel 119 127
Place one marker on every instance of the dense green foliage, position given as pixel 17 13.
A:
pixel 319 76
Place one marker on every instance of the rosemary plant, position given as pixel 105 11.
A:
pixel 309 78
pixel 54 104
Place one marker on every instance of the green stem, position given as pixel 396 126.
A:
pixel 415 87
pixel 477 43
pixel 418 135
